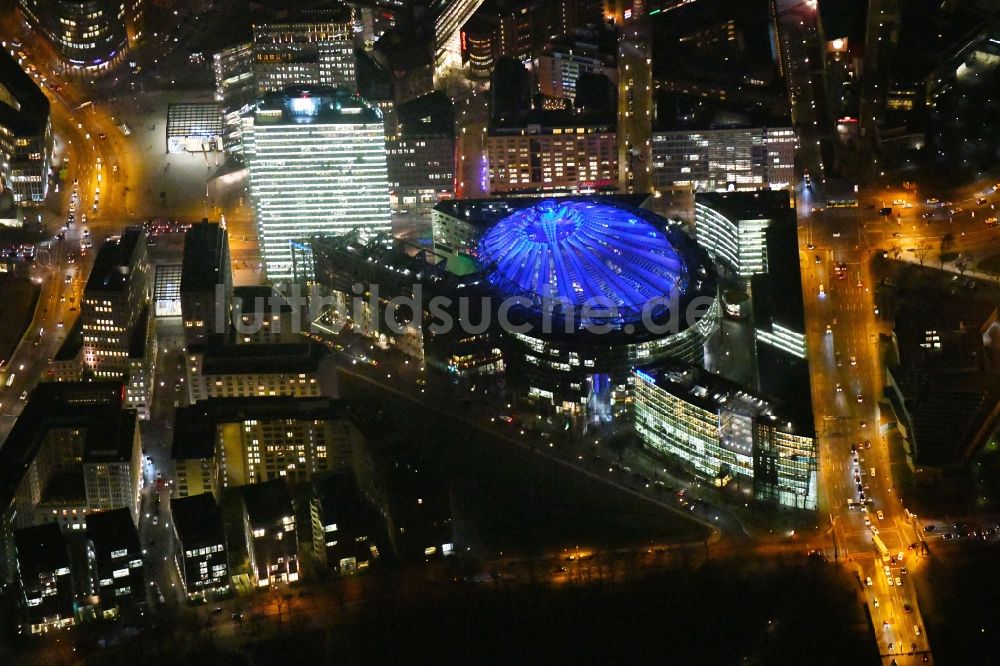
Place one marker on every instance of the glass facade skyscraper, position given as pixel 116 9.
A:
pixel 317 168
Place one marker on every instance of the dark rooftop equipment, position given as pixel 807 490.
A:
pixel 113 262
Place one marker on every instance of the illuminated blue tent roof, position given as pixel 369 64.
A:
pixel 582 253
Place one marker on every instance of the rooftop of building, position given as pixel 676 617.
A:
pixel 31 115
pixel 267 503
pixel 341 498
pixel 958 322
pixel 65 487
pixel 678 112
pixel 230 359
pixel 256 300
pixel 93 406
pixel 195 425
pixel 197 521
pixel 206 257
pixel 777 294
pixel 714 393
pixel 41 549
pixel 757 205
pixel 315 105
pixel 194 119
pixel 429 115
pixel 597 42
pixel 111 271
pixel 113 530
pixel 583 252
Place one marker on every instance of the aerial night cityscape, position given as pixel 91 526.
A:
pixel 500 332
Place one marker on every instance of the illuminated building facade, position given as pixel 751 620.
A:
pixel 113 300
pixel 232 442
pixel 558 160
pixel 202 553
pixel 753 236
pixel 118 326
pixel 115 558
pixel 73 450
pixel 522 28
pixel 725 433
pixel 45 578
pixel 221 370
pixel 270 520
pixel 92 35
pixel 317 167
pixel 479 38
pixel 348 531
pixel 25 134
pixel 451 16
pixel 235 91
pixel 306 52
pixel 420 155
pixel 620 286
pixel 732 227
pixel 724 159
pixel 558 69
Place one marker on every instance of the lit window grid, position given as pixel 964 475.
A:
pixel 747 159
pixel 673 426
pixel 717 234
pixel 565 160
pixel 315 180
pixel 786 340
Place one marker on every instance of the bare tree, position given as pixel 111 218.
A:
pixel 921 252
pixel 896 251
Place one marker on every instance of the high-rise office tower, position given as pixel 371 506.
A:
pixel 421 155
pixel 317 167
pixel 114 301
pixel 206 282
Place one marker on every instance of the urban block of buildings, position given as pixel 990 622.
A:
pixel 223 442
pixel 73 451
